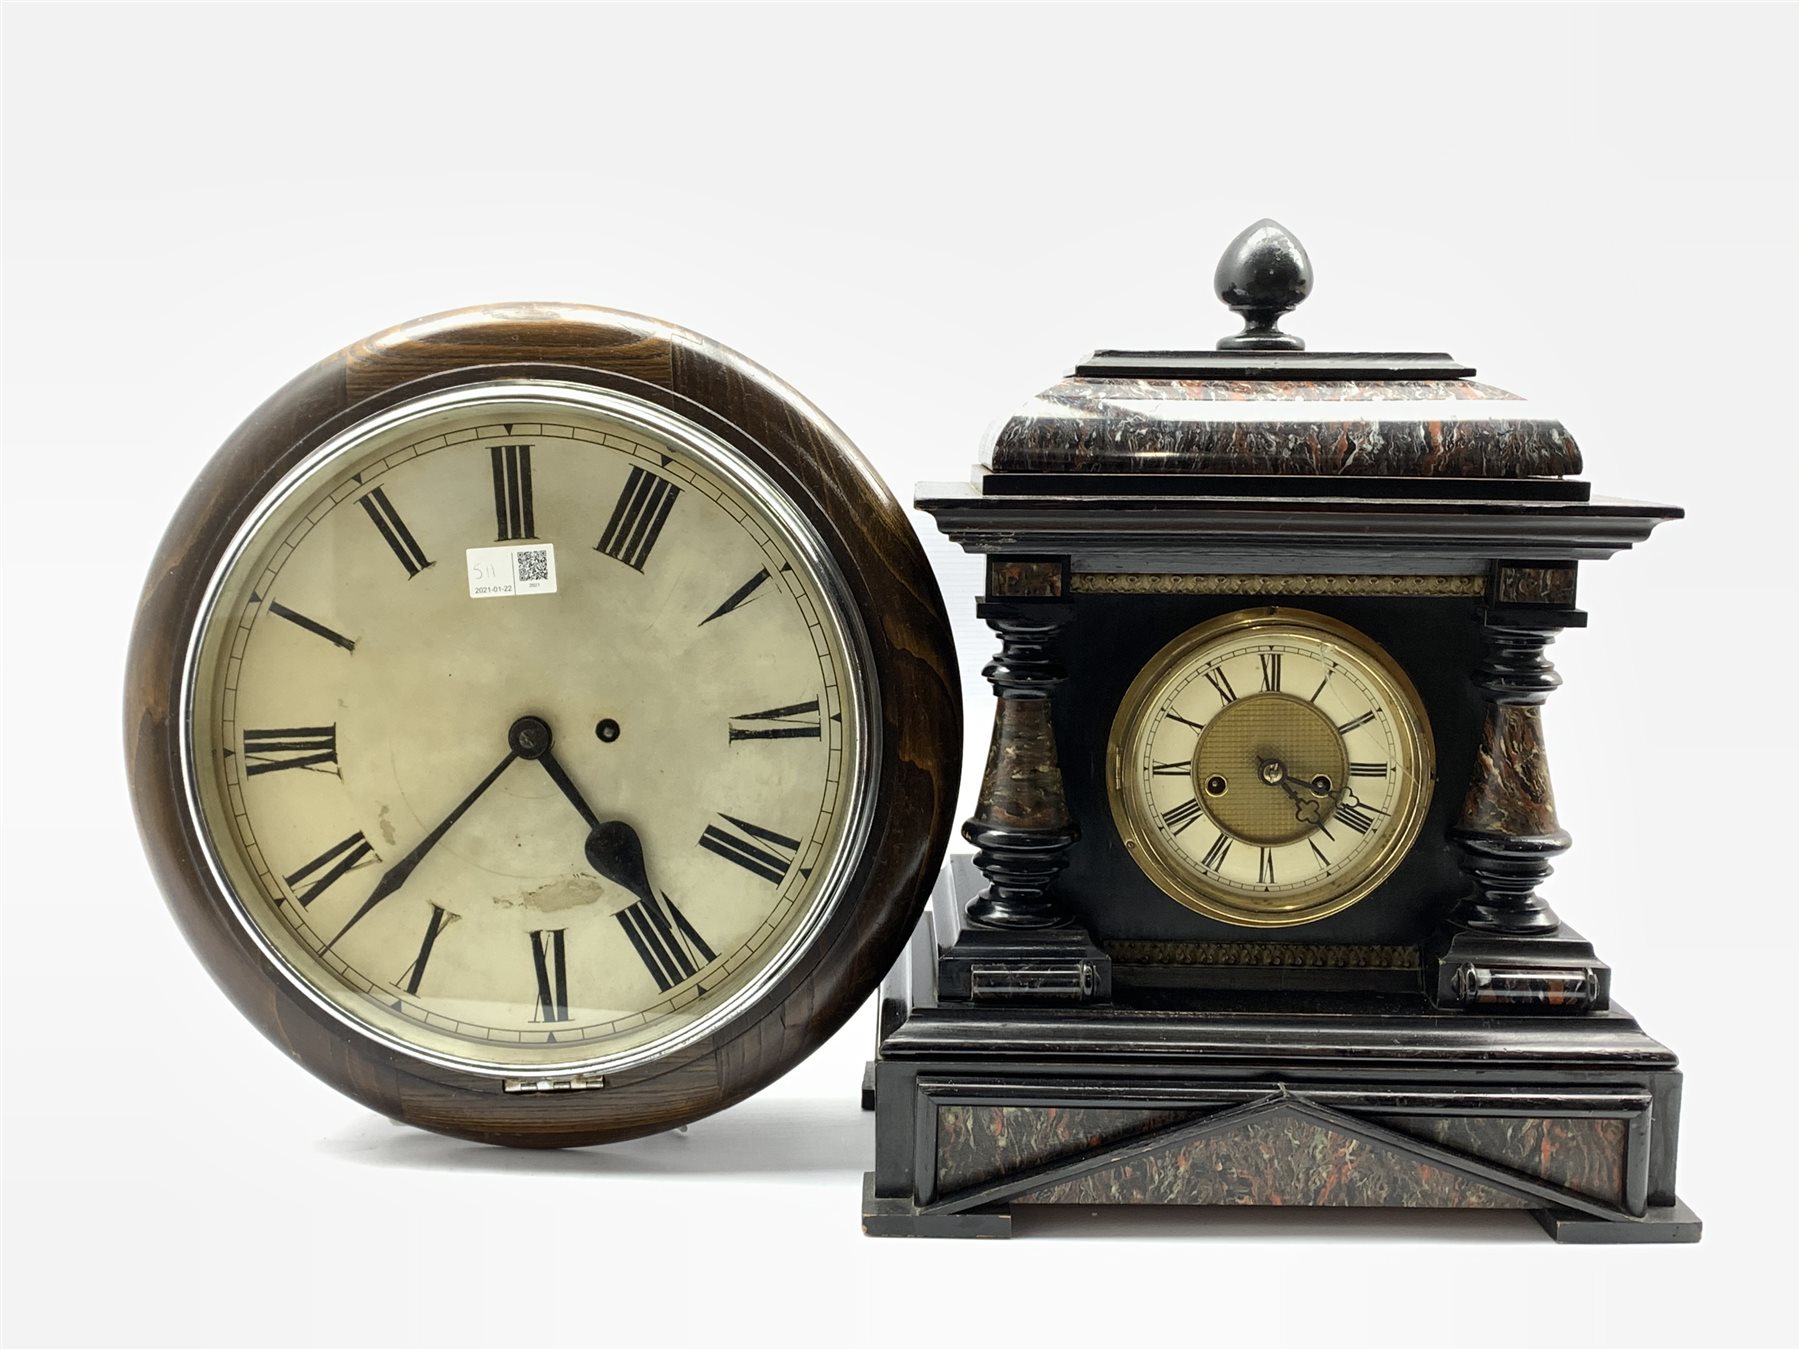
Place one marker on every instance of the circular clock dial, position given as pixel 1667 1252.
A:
pixel 528 728
pixel 1270 767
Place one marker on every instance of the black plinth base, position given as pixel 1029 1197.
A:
pixel 1659 1223
pixel 1325 1100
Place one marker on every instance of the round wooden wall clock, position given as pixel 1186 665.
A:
pixel 543 724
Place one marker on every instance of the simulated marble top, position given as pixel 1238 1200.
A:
pixel 1262 405
pixel 1416 428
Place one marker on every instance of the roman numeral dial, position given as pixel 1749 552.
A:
pixel 550 962
pixel 670 947
pixel 760 851
pixel 638 518
pixel 1271 767
pixel 272 749
pixel 514 515
pixel 405 781
pixel 311 881
pixel 414 974
pixel 743 595
pixel 791 722
pixel 394 532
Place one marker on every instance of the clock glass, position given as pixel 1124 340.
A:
pixel 1270 767
pixel 528 726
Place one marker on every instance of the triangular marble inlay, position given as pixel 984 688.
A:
pixel 1278 1157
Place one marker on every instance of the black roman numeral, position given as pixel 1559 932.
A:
pixel 797 721
pixel 281 611
pixel 512 492
pixel 1355 815
pixel 1329 672
pixel 738 597
pixel 550 958
pixel 393 529
pixel 1355 722
pixel 1319 853
pixel 1215 856
pixel 739 848
pixel 439 921
pixel 638 518
pixel 323 870
pixel 290 748
pixel 1179 818
pixel 668 945
pixel 1174 768
pixel 1359 770
pixel 1216 678
pixel 1271 671
pixel 1186 722
pixel 1265 868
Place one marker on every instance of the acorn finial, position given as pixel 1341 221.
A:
pixel 1262 274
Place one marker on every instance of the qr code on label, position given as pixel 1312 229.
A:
pixel 512 569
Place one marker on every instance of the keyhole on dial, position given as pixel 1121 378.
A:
pixel 1215 786
pixel 607 730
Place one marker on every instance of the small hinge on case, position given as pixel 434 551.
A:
pixel 580 1082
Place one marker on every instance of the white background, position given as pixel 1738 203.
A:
pixel 918 217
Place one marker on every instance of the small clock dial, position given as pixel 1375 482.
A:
pixel 527 728
pixel 1270 767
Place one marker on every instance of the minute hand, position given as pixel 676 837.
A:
pixel 395 877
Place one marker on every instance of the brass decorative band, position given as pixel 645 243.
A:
pixel 1335 955
pixel 1536 586
pixel 1303 583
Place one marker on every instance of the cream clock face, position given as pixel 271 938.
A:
pixel 527 728
pixel 1270 767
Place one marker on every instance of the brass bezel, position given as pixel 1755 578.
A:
pixel 1178 880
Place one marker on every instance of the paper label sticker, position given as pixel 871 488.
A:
pixel 512 569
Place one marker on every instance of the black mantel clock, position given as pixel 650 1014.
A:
pixel 1253 916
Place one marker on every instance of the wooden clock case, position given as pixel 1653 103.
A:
pixel 1062 1032
pixel 867 535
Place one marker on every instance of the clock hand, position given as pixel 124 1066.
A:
pixel 532 739
pixel 523 739
pixel 1308 800
pixel 667 943
pixel 560 776
pixel 616 853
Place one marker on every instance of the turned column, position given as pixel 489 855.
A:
pixel 1021 829
pixel 1508 831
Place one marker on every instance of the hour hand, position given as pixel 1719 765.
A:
pixel 1309 802
pixel 560 776
pixel 616 853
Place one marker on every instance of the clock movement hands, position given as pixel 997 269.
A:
pixel 1308 800
pixel 670 947
pixel 560 776
pixel 616 853
pixel 527 738
pixel 395 877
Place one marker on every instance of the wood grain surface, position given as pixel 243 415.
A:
pixel 912 678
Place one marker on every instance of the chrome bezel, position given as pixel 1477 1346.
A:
pixel 744 476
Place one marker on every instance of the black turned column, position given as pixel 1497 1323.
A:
pixel 1508 831
pixel 1021 829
